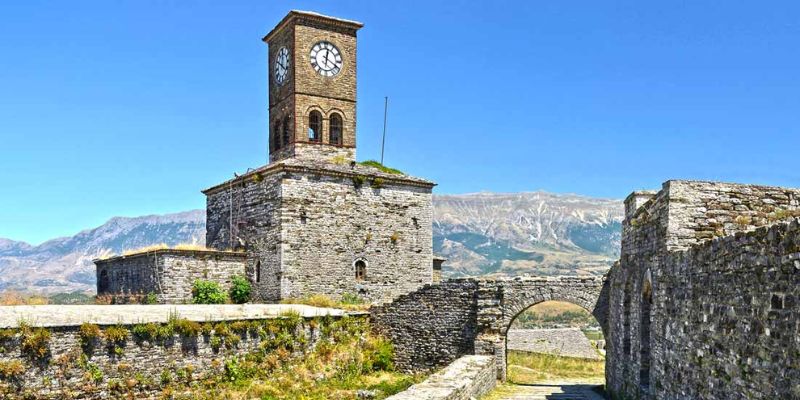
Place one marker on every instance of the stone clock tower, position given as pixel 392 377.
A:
pixel 312 88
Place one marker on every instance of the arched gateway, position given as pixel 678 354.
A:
pixel 438 323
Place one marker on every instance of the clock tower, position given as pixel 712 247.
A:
pixel 312 88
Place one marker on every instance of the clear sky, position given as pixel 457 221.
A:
pixel 128 108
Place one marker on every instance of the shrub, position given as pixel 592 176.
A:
pixel 395 237
pixel 150 298
pixel 185 327
pixel 11 369
pixel 379 355
pixel 35 342
pixel 7 334
pixel 378 183
pixel 115 339
pixel 207 292
pixel 89 334
pixel 358 181
pixel 240 290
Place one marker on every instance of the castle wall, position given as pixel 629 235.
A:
pixel 685 215
pixel 246 214
pixel 169 274
pixel 139 367
pixel 731 318
pixel 328 223
pixel 431 327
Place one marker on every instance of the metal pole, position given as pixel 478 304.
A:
pixel 385 112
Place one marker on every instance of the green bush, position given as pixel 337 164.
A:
pixel 150 298
pixel 207 292
pixel 240 290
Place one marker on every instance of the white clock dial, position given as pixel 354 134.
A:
pixel 281 65
pixel 326 59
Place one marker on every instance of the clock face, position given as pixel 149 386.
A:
pixel 281 65
pixel 326 59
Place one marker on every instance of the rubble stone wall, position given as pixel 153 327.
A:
pixel 686 286
pixel 168 273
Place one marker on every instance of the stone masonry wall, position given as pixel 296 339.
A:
pixel 245 214
pixel 469 377
pixel 431 327
pixel 306 225
pixel 683 215
pixel 438 323
pixel 104 370
pixel 168 273
pixel 328 224
pixel 731 318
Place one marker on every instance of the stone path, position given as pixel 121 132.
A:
pixel 553 391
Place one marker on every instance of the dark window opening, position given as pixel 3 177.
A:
pixel 315 126
pixel 102 283
pixel 361 270
pixel 644 359
pixel 336 129
pixel 258 271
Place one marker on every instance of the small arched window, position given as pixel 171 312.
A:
pixel 285 132
pixel 315 126
pixel 335 129
pixel 361 270
pixel 258 271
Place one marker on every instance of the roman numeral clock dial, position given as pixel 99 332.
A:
pixel 281 65
pixel 326 59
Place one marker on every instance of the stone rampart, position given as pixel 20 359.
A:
pixel 438 323
pixel 432 326
pixel 469 377
pixel 691 312
pixel 127 348
pixel 166 273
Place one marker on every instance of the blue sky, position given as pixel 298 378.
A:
pixel 128 108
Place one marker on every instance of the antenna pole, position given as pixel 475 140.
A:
pixel 385 112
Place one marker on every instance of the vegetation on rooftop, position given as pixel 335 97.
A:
pixel 381 167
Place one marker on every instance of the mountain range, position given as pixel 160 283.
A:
pixel 534 233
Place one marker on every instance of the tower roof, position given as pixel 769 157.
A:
pixel 317 17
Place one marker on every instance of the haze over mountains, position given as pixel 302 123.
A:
pixel 512 234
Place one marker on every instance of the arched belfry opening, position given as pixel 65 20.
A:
pixel 549 335
pixel 644 331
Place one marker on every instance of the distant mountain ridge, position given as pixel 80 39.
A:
pixel 481 233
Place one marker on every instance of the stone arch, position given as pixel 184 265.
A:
pixel 501 301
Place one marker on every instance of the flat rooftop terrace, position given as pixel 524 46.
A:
pixel 74 315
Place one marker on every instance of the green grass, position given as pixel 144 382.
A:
pixel 381 167
pixel 524 367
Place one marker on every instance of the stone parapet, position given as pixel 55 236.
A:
pixel 469 377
